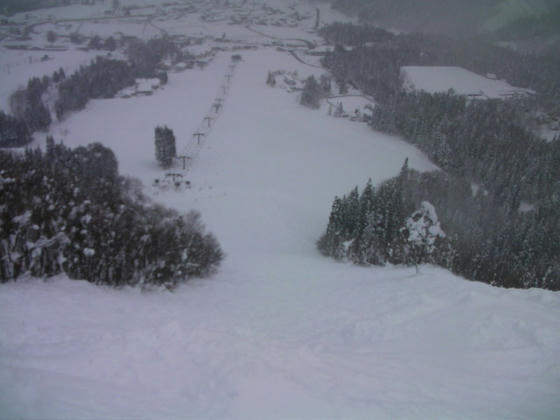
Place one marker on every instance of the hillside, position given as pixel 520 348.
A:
pixel 454 18
pixel 280 331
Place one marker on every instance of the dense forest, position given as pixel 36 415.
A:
pixel 103 78
pixel 479 240
pixel 13 132
pixel 503 226
pixel 68 210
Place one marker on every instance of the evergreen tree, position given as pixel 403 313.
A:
pixel 331 243
pixel 422 232
pixel 311 94
pixel 51 36
pixel 325 83
pixel 270 79
pixel 165 146
pixel 359 250
pixel 13 131
pixel 110 44
pixel 50 148
pixel 339 110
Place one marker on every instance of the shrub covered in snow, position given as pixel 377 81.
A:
pixel 70 211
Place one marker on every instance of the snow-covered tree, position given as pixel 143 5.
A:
pixel 91 223
pixel 51 36
pixel 339 110
pixel 13 132
pixel 422 231
pixel 311 94
pixel 270 79
pixel 165 146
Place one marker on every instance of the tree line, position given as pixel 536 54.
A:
pixel 102 78
pixel 482 141
pixel 68 210
pixel 455 18
pixel 436 218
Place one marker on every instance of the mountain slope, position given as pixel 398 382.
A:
pixel 509 11
pixel 454 18
pixel 280 332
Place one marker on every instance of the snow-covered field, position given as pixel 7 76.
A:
pixel 434 79
pixel 17 67
pixel 280 332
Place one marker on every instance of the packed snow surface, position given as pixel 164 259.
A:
pixel 434 79
pixel 280 332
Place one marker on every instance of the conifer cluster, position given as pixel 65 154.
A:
pixel 436 218
pixel 68 210
pixel 498 194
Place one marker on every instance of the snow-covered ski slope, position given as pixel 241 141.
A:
pixel 280 332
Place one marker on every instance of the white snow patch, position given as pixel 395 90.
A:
pixel 434 79
pixel 474 189
pixel 525 207
pixel 88 252
pixel 140 87
pixel 22 219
